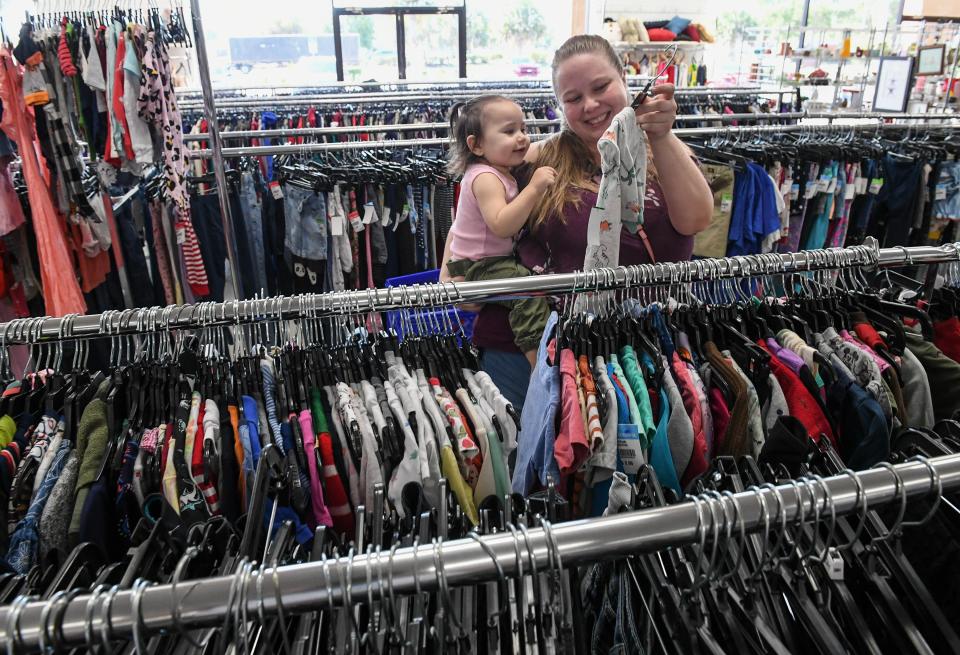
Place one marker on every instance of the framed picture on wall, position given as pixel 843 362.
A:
pixel 893 84
pixel 930 60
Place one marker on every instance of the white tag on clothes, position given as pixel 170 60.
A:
pixel 369 213
pixel 386 219
pixel 276 190
pixel 405 214
pixel 941 193
pixel 786 188
pixel 628 446
pixel 726 202
pixel 355 222
pixel 849 191
pixel 181 234
pixel 861 185
pixel 811 190
pixel 336 225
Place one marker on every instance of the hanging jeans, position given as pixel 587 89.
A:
pixel 209 227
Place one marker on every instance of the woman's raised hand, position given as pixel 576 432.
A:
pixel 657 113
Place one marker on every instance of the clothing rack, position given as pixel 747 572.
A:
pixel 296 100
pixel 143 320
pixel 307 148
pixel 314 585
pixel 546 122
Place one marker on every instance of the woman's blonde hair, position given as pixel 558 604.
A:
pixel 566 152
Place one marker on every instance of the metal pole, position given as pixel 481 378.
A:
pixel 543 122
pixel 210 110
pixel 338 44
pixel 401 47
pixel 303 587
pixel 462 40
pixel 280 149
pixel 176 317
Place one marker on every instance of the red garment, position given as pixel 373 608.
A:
pixel 946 336
pixel 93 270
pixel 693 32
pixel 800 402
pixel 61 292
pixel 336 495
pixel 699 461
pixel 63 52
pixel 870 336
pixel 119 111
pixel 721 417
pixel 571 448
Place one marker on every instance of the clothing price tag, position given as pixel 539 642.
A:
pixel 834 564
pixel 276 190
pixel 849 191
pixel 875 185
pixel 386 219
pixel 832 185
pixel 628 445
pixel 795 191
pixel 405 214
pixel 941 193
pixel 336 225
pixel 726 202
pixel 861 185
pixel 811 190
pixel 369 213
pixel 355 221
pixel 181 231
pixel 786 189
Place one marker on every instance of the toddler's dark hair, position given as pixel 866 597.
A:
pixel 466 119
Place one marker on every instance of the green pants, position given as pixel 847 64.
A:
pixel 528 316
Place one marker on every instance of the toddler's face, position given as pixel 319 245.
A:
pixel 504 142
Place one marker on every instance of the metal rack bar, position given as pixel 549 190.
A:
pixel 543 122
pixel 302 587
pixel 134 321
pixel 307 148
pixel 391 96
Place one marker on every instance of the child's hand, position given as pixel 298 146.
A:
pixel 543 178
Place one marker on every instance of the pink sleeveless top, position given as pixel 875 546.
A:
pixel 470 237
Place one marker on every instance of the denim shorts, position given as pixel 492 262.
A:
pixel 947 204
pixel 306 222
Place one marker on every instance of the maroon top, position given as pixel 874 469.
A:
pixel 559 247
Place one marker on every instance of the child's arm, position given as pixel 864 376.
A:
pixel 505 219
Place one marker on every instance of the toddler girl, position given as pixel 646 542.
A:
pixel 490 138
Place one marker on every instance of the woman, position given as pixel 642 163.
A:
pixel 590 85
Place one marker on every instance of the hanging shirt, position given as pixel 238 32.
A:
pixel 535 459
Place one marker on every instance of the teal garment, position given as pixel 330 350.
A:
pixel 661 459
pixel 631 399
pixel 631 367
pixel 817 236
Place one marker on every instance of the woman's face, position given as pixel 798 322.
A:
pixel 591 93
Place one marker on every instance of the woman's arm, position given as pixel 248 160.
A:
pixel 685 189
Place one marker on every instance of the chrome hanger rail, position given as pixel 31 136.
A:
pixel 393 96
pixel 546 122
pixel 26 626
pixel 174 317
pixel 695 132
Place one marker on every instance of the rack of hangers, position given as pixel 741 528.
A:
pixel 30 625
pixel 875 126
pixel 411 96
pixel 161 319
pixel 548 123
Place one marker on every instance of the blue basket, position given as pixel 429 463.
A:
pixel 428 317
